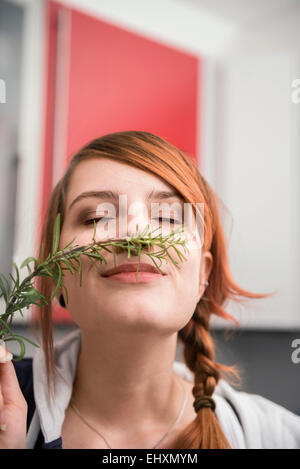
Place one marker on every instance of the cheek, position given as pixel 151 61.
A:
pixel 186 288
pixel 69 232
pixel 77 295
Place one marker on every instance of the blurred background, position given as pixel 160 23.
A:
pixel 219 79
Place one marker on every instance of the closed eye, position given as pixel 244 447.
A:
pixel 91 220
pixel 169 219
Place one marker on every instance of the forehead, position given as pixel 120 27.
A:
pixel 107 174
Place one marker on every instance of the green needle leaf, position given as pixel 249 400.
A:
pixel 22 347
pixel 3 289
pixel 26 264
pixel 59 281
pixel 56 234
pixel 80 271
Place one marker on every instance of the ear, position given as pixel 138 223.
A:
pixel 205 269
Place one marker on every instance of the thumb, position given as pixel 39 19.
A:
pixel 10 390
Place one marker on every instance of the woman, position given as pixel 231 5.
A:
pixel 113 382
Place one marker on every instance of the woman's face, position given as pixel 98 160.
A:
pixel 164 304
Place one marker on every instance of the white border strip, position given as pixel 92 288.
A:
pixel 295 196
pixel 32 112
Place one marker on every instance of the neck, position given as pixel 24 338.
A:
pixel 127 383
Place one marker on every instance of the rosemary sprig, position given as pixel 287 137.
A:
pixel 24 294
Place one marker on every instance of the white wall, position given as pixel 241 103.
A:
pixel 258 184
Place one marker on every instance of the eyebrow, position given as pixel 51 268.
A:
pixel 111 195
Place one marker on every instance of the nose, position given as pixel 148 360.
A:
pixel 137 223
pixel 136 229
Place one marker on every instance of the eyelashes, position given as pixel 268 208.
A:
pixel 91 220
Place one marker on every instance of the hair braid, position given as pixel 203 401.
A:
pixel 199 350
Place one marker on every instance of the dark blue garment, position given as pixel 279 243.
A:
pixel 24 374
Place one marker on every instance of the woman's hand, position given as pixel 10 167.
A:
pixel 13 406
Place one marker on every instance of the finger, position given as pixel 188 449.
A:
pixel 1 398
pixel 2 416
pixel 11 392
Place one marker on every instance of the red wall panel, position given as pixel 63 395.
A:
pixel 121 81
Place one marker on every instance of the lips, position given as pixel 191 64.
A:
pixel 132 267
